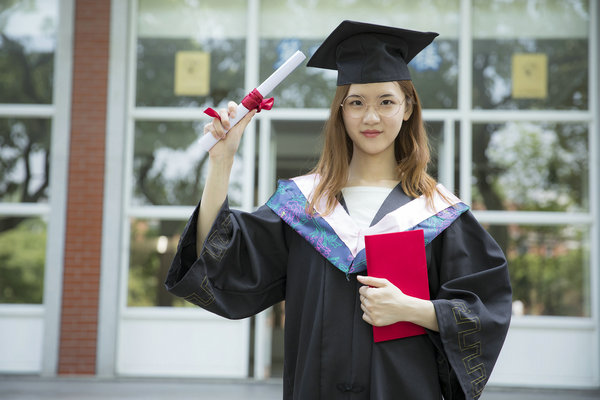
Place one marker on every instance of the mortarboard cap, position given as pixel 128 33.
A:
pixel 367 53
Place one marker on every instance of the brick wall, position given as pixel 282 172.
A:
pixel 79 319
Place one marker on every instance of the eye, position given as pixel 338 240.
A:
pixel 387 102
pixel 354 101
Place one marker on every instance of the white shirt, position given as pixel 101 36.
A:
pixel 363 202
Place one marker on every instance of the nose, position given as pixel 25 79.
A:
pixel 371 115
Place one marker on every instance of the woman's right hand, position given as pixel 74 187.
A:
pixel 229 142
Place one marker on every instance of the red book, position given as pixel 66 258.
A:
pixel 399 257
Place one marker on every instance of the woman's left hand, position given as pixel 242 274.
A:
pixel 382 302
pixel 385 304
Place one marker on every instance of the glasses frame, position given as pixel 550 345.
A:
pixel 375 107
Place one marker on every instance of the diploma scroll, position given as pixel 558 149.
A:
pixel 208 141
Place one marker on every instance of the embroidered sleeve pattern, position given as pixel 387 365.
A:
pixel 204 297
pixel 216 243
pixel 469 344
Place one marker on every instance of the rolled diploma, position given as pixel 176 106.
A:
pixel 208 141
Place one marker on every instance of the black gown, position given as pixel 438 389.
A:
pixel 251 261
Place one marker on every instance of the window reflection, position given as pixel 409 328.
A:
pixel 170 169
pixel 556 30
pixel 27 45
pixel 434 71
pixel 24 160
pixel 298 147
pixel 156 71
pixel 22 256
pixel 153 244
pixel 529 166
pixel 435 136
pixel 549 268
pixel 168 28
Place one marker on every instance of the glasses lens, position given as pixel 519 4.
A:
pixel 388 107
pixel 356 106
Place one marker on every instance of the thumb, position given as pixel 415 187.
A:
pixel 247 118
pixel 371 281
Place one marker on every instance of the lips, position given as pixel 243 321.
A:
pixel 370 133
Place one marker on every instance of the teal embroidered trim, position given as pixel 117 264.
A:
pixel 289 204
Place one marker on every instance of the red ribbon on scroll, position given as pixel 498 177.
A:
pixel 253 101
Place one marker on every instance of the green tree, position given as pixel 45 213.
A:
pixel 25 78
pixel 22 255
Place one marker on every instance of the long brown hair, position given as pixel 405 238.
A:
pixel 411 148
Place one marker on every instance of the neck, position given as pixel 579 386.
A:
pixel 368 170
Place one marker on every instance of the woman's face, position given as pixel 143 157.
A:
pixel 373 114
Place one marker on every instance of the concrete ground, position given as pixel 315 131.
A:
pixel 35 388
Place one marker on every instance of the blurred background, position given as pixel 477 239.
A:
pixel 100 110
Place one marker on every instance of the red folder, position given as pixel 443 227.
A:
pixel 399 257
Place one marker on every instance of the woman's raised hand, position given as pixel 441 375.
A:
pixel 230 141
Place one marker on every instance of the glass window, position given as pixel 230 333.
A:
pixel 24 160
pixel 170 169
pixel 549 268
pixel 298 147
pixel 152 246
pixel 190 53
pixel 437 149
pixel 22 256
pixel 530 55
pixel 530 166
pixel 434 71
pixel 27 45
pixel 435 136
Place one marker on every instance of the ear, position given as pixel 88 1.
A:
pixel 408 109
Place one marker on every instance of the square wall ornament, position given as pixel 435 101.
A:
pixel 529 76
pixel 192 73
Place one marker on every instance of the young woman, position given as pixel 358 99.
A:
pixel 306 245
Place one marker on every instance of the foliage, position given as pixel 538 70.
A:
pixel 549 272
pixel 147 266
pixel 22 255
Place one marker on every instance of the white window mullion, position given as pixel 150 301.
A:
pixel 532 217
pixel 465 101
pixel 594 175
pixel 112 215
pixel 446 163
pixel 60 134
pixel 40 110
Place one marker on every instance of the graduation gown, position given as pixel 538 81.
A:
pixel 251 261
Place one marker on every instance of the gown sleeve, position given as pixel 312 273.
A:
pixel 241 269
pixel 473 306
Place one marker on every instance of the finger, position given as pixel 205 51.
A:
pixel 232 108
pixel 246 120
pixel 217 129
pixel 367 319
pixel 371 281
pixel 210 129
pixel 224 114
pixel 363 291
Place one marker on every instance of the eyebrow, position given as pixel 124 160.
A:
pixel 380 96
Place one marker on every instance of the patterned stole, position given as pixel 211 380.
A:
pixel 337 237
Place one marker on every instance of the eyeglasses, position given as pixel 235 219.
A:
pixel 356 106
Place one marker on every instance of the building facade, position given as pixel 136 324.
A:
pixel 100 112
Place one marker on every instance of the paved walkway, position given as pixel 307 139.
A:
pixel 34 388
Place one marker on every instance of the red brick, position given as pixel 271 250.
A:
pixel 85 188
